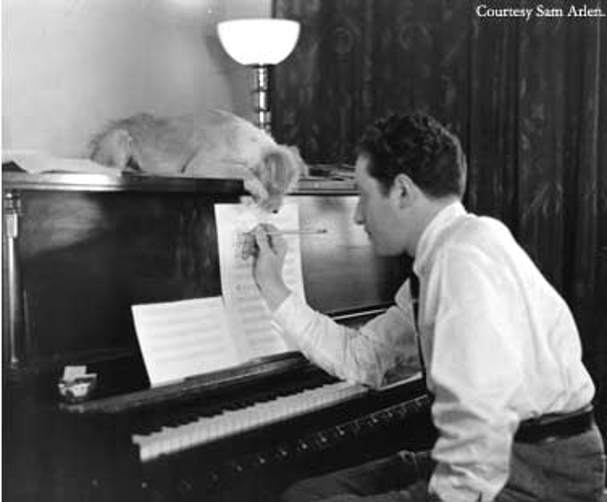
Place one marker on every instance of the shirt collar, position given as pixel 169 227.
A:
pixel 432 232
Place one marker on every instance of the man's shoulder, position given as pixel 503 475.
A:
pixel 471 228
pixel 469 237
pixel 475 237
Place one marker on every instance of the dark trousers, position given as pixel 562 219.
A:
pixel 564 470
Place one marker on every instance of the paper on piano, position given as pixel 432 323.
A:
pixel 249 317
pixel 184 338
pixel 38 162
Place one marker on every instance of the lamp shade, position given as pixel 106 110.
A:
pixel 258 41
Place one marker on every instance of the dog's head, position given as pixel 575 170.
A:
pixel 276 175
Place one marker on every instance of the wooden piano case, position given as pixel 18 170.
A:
pixel 78 251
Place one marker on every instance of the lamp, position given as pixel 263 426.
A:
pixel 259 43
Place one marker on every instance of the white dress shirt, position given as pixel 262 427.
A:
pixel 499 344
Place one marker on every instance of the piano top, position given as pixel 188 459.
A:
pixel 13 178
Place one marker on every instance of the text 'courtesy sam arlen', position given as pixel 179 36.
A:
pixel 487 11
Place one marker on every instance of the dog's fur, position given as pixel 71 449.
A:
pixel 211 144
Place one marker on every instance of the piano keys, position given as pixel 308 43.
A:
pixel 192 430
pixel 221 442
pixel 80 252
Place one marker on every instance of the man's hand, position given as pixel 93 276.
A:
pixel 268 253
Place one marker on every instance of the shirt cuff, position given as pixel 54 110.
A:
pixel 295 317
pixel 282 310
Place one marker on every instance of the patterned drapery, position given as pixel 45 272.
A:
pixel 527 98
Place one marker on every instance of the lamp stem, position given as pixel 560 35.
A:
pixel 261 94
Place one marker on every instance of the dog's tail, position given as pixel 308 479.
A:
pixel 113 147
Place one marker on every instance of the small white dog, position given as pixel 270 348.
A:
pixel 211 144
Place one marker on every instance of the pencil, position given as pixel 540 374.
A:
pixel 303 231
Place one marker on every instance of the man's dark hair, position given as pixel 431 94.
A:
pixel 418 146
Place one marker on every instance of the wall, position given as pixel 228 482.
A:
pixel 70 66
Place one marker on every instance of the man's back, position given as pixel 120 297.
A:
pixel 498 276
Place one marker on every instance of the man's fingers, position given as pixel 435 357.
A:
pixel 249 247
pixel 280 245
pixel 262 238
pixel 268 227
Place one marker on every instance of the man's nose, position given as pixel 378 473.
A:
pixel 358 215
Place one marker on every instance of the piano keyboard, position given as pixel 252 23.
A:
pixel 207 429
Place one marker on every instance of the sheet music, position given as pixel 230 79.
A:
pixel 184 338
pixel 248 314
pixel 37 162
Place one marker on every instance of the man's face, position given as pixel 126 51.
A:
pixel 378 212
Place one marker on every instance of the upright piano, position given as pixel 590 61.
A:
pixel 78 251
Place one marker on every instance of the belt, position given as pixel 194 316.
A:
pixel 555 426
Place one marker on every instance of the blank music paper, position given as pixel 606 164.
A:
pixel 184 338
pixel 248 315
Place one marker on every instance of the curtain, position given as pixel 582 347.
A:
pixel 527 98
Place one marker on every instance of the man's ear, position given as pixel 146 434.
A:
pixel 404 191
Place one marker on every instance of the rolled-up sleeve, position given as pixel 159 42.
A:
pixel 362 355
pixel 474 374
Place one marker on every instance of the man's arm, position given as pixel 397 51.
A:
pixel 362 355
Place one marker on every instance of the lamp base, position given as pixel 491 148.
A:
pixel 261 94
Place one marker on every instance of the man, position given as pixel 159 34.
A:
pixel 501 350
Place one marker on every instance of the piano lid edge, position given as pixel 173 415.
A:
pixel 251 371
